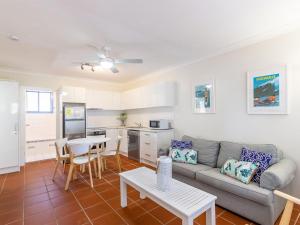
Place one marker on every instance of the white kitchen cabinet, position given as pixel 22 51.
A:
pixel 152 142
pixel 131 99
pixel 91 99
pixel 116 101
pixel 106 100
pixel 155 95
pixel 73 94
pixel 40 150
pixel 124 141
pixel 113 135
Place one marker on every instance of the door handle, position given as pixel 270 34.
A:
pixel 15 131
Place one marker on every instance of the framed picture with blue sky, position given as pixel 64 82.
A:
pixel 267 91
pixel 204 97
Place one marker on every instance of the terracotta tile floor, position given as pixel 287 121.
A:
pixel 32 198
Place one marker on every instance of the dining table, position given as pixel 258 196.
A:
pixel 93 141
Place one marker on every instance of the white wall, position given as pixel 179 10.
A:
pixel 231 121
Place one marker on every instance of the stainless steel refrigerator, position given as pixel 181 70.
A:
pixel 74 120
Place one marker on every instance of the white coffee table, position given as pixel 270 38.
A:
pixel 183 200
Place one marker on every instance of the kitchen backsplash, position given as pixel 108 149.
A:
pixel 101 118
pixel 144 115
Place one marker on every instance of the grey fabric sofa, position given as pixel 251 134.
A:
pixel 252 201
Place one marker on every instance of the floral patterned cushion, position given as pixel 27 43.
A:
pixel 181 144
pixel 264 160
pixel 184 155
pixel 240 170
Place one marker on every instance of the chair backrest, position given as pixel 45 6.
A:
pixel 288 210
pixel 118 144
pixel 78 149
pixel 60 145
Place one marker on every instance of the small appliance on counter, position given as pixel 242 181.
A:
pixel 95 131
pixel 162 124
pixel 74 120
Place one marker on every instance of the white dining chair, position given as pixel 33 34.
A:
pixel 288 210
pixel 61 155
pixel 80 155
pixel 112 153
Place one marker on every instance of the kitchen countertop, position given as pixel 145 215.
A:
pixel 145 129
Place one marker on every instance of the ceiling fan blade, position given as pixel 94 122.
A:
pixel 94 63
pixel 114 69
pixel 99 52
pixel 101 55
pixel 120 61
pixel 94 47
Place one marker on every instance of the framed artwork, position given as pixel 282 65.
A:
pixel 204 97
pixel 268 91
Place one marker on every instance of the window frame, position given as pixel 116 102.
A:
pixel 38 102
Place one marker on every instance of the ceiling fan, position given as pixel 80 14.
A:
pixel 106 61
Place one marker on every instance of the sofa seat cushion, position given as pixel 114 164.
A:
pixel 188 170
pixel 250 191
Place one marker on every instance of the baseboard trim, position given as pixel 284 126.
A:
pixel 124 153
pixel 10 169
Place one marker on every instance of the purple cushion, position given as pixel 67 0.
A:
pixel 181 144
pixel 263 159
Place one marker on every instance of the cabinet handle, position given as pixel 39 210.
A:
pixel 147 134
pixel 147 143
pixel 147 155
pixel 31 147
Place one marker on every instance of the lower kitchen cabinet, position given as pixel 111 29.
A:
pixel 124 141
pixel 113 134
pixel 152 142
pixel 40 150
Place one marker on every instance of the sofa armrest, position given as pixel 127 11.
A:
pixel 278 175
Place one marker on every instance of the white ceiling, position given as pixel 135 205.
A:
pixel 165 33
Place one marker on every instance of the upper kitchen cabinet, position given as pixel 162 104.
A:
pixel 73 94
pixel 156 95
pixel 131 99
pixel 106 100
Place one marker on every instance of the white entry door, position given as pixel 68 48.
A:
pixel 9 132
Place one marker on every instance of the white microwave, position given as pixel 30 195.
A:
pixel 159 124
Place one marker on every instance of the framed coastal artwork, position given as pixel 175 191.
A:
pixel 204 97
pixel 268 91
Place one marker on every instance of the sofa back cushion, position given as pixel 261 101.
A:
pixel 208 150
pixel 232 150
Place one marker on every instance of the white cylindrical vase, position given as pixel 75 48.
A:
pixel 164 173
